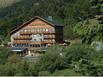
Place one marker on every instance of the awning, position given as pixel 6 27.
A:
pixel 18 49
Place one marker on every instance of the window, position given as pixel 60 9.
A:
pixel 53 30
pixel 31 46
pixel 50 30
pixel 28 30
pixel 53 36
pixel 43 45
pixel 53 40
pixel 46 30
pixel 25 30
pixel 40 30
pixel 32 30
pixel 38 45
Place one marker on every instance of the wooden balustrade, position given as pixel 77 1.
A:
pixel 35 42
pixel 48 42
pixel 37 32
pixel 32 42
pixel 43 42
pixel 22 41
pixel 49 36
pixel 22 37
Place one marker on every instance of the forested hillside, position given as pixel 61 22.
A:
pixel 91 29
pixel 66 12
pixel 5 3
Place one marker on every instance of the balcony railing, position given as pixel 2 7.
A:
pixel 22 37
pixel 49 36
pixel 42 42
pixel 21 41
pixel 37 32
pixel 48 42
pixel 33 42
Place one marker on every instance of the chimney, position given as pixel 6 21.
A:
pixel 50 18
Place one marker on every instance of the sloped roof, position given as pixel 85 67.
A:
pixel 53 23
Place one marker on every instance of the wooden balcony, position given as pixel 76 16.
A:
pixel 29 37
pixel 49 37
pixel 22 37
pixel 24 33
pixel 48 42
pixel 32 42
pixel 42 42
pixel 21 42
pixel 35 42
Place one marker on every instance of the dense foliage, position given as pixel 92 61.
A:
pixel 91 29
pixel 77 59
pixel 4 54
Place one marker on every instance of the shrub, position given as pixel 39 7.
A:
pixel 53 59
pixel 66 72
pixel 4 53
pixel 76 52
pixel 79 57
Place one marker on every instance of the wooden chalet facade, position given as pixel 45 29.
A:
pixel 37 34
